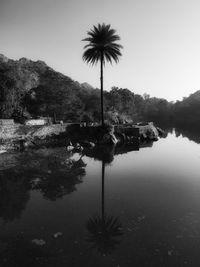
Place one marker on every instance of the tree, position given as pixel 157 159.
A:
pixel 102 47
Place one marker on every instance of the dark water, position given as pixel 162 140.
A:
pixel 111 208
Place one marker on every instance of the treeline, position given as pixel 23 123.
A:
pixel 32 89
pixel 78 104
pixel 187 111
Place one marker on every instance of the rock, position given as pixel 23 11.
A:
pixel 87 144
pixel 126 134
pixel 170 252
pixel 70 148
pixel 161 132
pixel 121 138
pixel 56 235
pixel 39 242
pixel 78 147
pixel 109 138
pixel 148 132
pixel 68 142
pixel 36 181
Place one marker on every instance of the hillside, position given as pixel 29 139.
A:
pixel 31 89
pixel 28 74
pixel 28 86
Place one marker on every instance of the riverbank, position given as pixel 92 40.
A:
pixel 20 137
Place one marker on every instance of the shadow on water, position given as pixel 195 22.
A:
pixel 19 251
pixel 14 194
pixel 107 153
pixel 104 230
pixel 51 172
pixel 59 177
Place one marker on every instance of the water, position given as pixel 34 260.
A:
pixel 140 208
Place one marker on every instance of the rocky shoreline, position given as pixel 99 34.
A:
pixel 75 137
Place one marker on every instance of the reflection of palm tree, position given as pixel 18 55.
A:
pixel 102 46
pixel 104 230
pixel 104 233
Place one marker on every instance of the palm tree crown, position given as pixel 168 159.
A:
pixel 102 45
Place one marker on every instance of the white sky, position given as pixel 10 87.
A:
pixel 161 40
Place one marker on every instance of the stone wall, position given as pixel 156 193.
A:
pixel 19 136
pixel 6 122
pixel 19 131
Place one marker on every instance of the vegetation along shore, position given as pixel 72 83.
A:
pixel 31 90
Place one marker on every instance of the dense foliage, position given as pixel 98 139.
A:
pixel 32 89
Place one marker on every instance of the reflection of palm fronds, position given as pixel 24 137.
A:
pixel 104 233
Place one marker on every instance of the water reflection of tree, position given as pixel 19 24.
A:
pixel 191 133
pixel 59 178
pixel 107 153
pixel 18 251
pixel 104 231
pixel 52 173
pixel 14 194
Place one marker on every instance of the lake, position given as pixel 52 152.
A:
pixel 114 207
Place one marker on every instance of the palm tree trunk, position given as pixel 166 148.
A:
pixel 101 79
pixel 103 191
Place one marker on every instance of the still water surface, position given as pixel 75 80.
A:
pixel 139 208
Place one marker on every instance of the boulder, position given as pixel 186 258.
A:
pixel 87 144
pixel 109 138
pixel 70 148
pixel 161 132
pixel 148 132
pixel 78 148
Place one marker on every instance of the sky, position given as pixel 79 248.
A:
pixel 160 38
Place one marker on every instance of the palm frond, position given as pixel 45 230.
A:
pixel 91 55
pixel 102 40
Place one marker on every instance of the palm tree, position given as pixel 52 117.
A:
pixel 102 47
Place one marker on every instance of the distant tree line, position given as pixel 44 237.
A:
pixel 78 104
pixel 31 89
